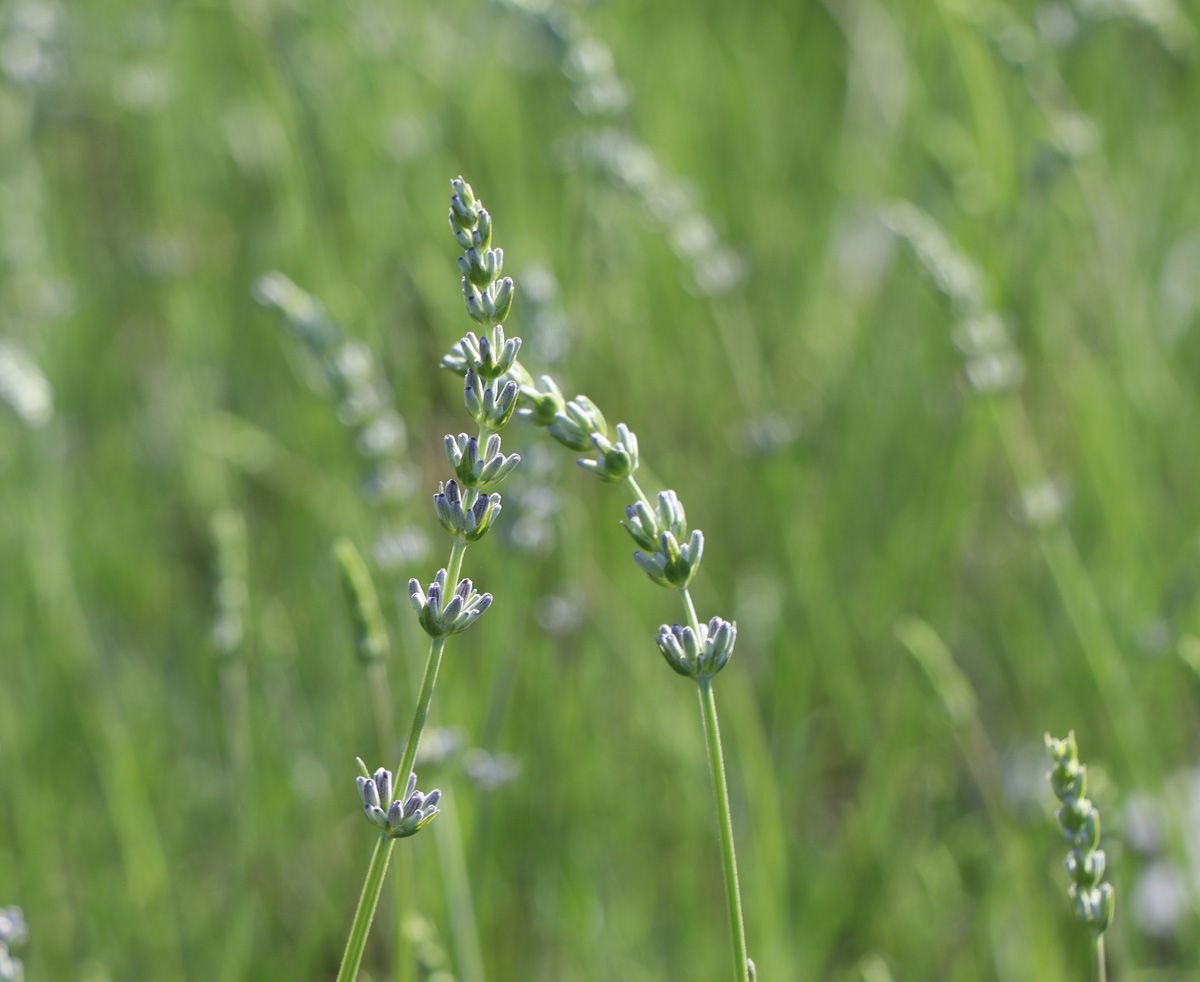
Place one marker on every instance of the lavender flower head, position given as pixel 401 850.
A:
pixel 403 816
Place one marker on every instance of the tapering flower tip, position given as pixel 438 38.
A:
pixel 466 215
pixel 672 565
pixel 698 656
pixel 541 402
pixel 465 523
pixel 490 404
pixel 577 423
pixel 1068 777
pixel 478 470
pixel 646 525
pixel 1079 819
pixel 613 461
pixel 440 619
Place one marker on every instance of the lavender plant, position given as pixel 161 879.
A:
pixel 668 554
pixel 466 510
pixel 1094 900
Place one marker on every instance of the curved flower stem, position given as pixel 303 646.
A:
pixel 716 760
pixel 365 912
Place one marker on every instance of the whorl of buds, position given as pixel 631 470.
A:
pixel 698 655
pixel 1079 820
pixel 475 469
pixel 541 401
pixel 401 817
pixel 614 461
pixel 646 525
pixel 441 616
pixel 490 404
pixel 672 564
pixel 467 523
pixel 577 423
pixel 489 355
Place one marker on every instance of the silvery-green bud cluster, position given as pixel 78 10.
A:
pixel 672 564
pixel 646 525
pixel 489 356
pixel 442 616
pixel 488 296
pixel 13 933
pixel 1080 823
pixel 577 423
pixel 467 523
pixel 542 401
pixel 614 461
pixel 399 818
pixel 477 470
pixel 491 404
pixel 698 655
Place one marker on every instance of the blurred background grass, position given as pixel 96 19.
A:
pixel 948 490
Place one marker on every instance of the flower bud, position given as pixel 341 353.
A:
pixel 439 620
pixel 579 421
pixel 614 461
pixel 698 655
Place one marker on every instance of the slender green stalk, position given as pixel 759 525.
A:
pixel 716 763
pixel 364 914
pixel 1101 966
pixel 733 893
pixel 433 665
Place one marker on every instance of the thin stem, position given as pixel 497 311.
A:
pixel 454 566
pixel 716 761
pixel 693 621
pixel 376 872
pixel 637 490
pixel 1101 966
pixel 365 913
pixel 432 666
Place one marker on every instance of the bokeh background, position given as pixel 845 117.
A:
pixel 902 298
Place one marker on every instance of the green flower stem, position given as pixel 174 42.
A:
pixel 637 490
pixel 733 893
pixel 365 913
pixel 432 666
pixel 1101 966
pixel 716 762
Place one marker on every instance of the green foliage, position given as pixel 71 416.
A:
pixel 1006 460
